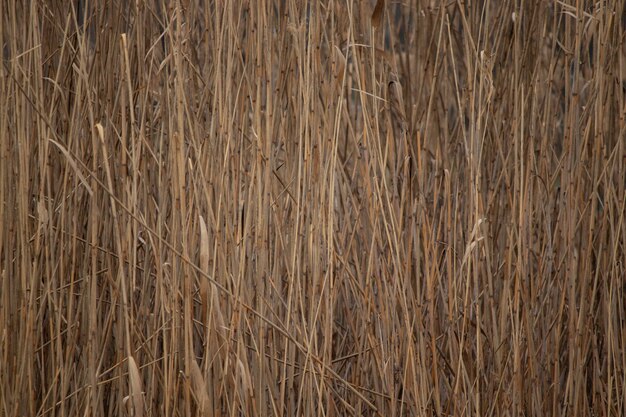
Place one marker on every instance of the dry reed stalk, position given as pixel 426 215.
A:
pixel 312 208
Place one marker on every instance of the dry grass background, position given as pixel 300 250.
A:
pixel 333 208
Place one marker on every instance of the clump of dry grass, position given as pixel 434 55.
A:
pixel 289 208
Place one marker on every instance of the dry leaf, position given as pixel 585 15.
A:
pixel 377 15
pixel 204 265
pixel 339 61
pixel 136 393
pixel 396 106
pixel 199 386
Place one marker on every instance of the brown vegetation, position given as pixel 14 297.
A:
pixel 323 208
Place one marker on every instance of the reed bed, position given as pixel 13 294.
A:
pixel 312 208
